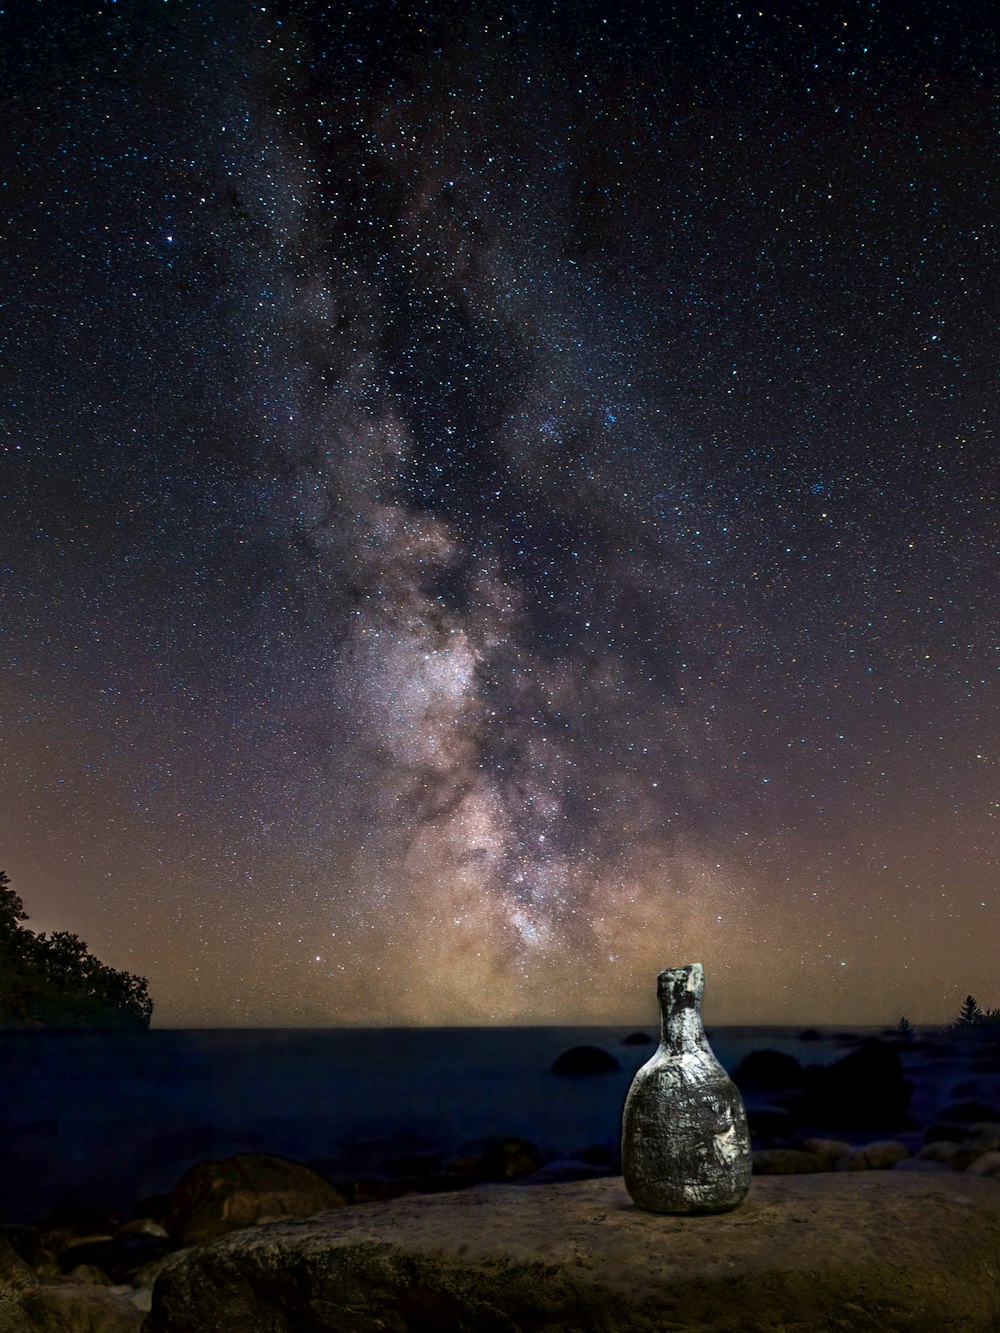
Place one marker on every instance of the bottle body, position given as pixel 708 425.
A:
pixel 685 1138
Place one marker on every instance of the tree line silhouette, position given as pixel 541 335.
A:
pixel 971 1016
pixel 54 980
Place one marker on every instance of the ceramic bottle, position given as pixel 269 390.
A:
pixel 685 1139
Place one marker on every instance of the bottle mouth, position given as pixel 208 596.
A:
pixel 681 986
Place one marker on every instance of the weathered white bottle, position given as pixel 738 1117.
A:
pixel 685 1138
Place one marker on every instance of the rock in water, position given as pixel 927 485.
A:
pixel 769 1070
pixel 855 1251
pixel 866 1089
pixel 216 1197
pixel 685 1139
pixel 585 1060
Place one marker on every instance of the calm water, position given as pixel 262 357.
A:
pixel 107 1118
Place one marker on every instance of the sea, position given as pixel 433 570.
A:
pixel 104 1119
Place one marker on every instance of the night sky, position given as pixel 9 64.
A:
pixel 496 501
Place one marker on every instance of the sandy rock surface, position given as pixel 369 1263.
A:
pixel 892 1251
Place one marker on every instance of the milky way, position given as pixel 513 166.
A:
pixel 500 502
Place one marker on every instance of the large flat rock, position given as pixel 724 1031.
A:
pixel 886 1251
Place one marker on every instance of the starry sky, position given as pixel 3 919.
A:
pixel 499 499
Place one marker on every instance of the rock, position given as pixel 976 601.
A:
pixel 148 1273
pixel 77 1227
pixel 864 1090
pixel 879 1156
pixel 941 1151
pixel 987 1165
pixel 903 1253
pixel 810 1034
pixel 142 1299
pixel 985 1134
pixel 216 1197
pixel 120 1256
pixel 784 1162
pixel 21 1307
pixel 74 1307
pixel 24 1240
pixel 87 1275
pixel 585 1060
pixel 564 1168
pixel 504 1160
pixel 978 1140
pixel 769 1069
pixel 638 1039
pixel 970 1150
pixel 829 1151
pixel 143 1226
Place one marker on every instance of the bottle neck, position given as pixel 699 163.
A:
pixel 681 1029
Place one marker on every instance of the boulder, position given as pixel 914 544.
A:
pixel 21 1307
pixel 768 1069
pixel 89 1275
pixel 143 1226
pixel 508 1159
pixel 785 1162
pixel 903 1253
pixel 987 1165
pixel 120 1257
pixel 216 1197
pixel 563 1168
pixel 585 1060
pixel 864 1090
pixel 82 1307
pixel 601 1155
pixel 829 1151
pixel 941 1151
pixel 24 1240
pixel 882 1155
pixel 979 1140
pixel 73 1226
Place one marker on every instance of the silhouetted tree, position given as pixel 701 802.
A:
pixel 12 911
pixel 972 1016
pixel 54 980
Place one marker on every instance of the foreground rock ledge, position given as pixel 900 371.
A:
pixel 803 1254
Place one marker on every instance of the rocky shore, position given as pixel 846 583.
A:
pixel 82 1271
